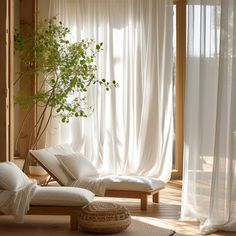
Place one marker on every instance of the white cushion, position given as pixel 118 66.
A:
pixel 11 177
pixel 133 183
pixel 61 196
pixel 77 166
pixel 47 157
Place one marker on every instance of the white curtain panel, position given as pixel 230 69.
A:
pixel 131 129
pixel 209 186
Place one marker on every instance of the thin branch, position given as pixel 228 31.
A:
pixel 39 121
pixel 41 118
pixel 20 76
pixel 42 132
pixel 23 123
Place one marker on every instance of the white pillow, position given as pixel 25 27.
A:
pixel 12 178
pixel 50 161
pixel 47 158
pixel 77 166
pixel 62 196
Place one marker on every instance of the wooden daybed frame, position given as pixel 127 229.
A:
pixel 72 211
pixel 142 195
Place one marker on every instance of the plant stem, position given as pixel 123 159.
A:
pixel 23 123
pixel 40 122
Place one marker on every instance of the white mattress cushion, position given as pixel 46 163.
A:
pixel 12 178
pixel 47 157
pixel 62 196
pixel 77 166
pixel 133 183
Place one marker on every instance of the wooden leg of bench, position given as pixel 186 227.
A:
pixel 155 197
pixel 144 201
pixel 74 222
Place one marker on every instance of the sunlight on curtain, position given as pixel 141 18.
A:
pixel 210 116
pixel 131 130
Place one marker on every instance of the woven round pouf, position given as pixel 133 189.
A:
pixel 104 218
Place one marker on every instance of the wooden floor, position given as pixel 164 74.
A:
pixel 166 213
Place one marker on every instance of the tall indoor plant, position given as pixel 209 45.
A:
pixel 66 71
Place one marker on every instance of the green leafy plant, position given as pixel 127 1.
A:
pixel 67 70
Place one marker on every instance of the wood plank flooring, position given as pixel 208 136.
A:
pixel 167 213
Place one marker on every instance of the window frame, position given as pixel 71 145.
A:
pixel 6 76
pixel 177 172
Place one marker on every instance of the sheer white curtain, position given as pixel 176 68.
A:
pixel 209 187
pixel 131 129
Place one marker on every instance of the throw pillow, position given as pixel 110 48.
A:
pixel 11 177
pixel 77 166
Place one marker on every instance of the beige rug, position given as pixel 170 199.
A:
pixel 59 225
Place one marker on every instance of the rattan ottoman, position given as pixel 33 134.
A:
pixel 104 217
